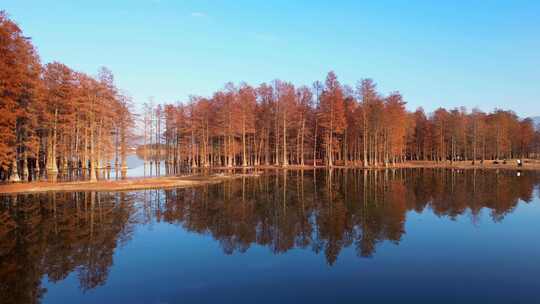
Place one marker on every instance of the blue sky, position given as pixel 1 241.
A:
pixel 451 53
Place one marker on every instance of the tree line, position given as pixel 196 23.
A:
pixel 55 120
pixel 326 124
pixel 60 122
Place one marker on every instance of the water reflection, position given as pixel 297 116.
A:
pixel 56 234
pixel 329 210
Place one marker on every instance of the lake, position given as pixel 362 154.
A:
pixel 340 236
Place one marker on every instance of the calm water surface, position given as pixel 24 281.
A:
pixel 346 236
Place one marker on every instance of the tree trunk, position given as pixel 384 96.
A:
pixel 14 177
pixel 285 160
pixel 302 142
pixel 244 156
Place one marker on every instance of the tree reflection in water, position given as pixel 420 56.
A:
pixel 329 210
pixel 56 234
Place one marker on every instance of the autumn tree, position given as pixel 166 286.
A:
pixel 395 127
pixel 332 114
pixel 304 105
pixel 247 99
pixel 19 95
pixel 58 122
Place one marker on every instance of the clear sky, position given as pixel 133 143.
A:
pixel 436 53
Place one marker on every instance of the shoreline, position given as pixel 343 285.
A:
pixel 162 182
pixel 420 164
pixel 165 182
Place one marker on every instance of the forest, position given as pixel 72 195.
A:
pixel 328 124
pixel 56 121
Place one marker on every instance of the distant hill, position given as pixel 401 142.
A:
pixel 536 121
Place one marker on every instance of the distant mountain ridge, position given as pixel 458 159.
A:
pixel 536 120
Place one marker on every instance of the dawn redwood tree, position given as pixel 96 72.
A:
pixel 369 97
pixel 525 138
pixel 304 106
pixel 477 129
pixel 286 97
pixel 395 127
pixel 350 133
pixel 105 119
pixel 264 121
pixel 10 40
pixel 457 122
pixel 332 114
pixel 440 124
pixel 317 92
pixel 227 109
pixel 58 79
pixel 247 99
pixel 19 94
pixel 500 126
pixel 200 117
pixel 420 139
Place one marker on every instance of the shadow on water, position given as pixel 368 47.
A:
pixel 56 234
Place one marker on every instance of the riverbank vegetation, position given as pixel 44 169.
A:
pixel 328 124
pixel 54 119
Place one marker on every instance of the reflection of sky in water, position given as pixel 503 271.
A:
pixel 432 242
pixel 439 259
